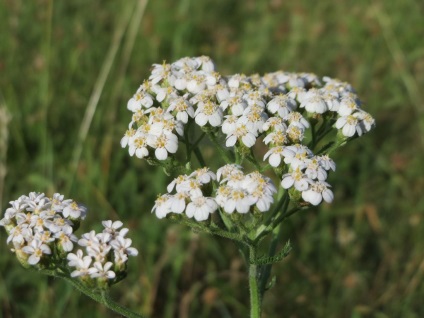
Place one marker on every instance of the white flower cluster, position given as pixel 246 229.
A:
pixel 242 108
pixel 190 196
pixel 41 232
pixel 240 192
pixel 35 223
pixel 101 248
pixel 236 192
pixel 275 109
pixel 307 174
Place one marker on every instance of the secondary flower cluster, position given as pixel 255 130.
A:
pixel 239 107
pixel 101 249
pixel 237 192
pixel 190 196
pixel 41 232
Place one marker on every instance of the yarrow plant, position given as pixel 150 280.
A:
pixel 273 136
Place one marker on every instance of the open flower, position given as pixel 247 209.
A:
pixel 36 250
pixel 200 208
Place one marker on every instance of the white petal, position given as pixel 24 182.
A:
pixel 201 119
pixel 287 182
pixel 231 141
pixel 229 206
pixel 171 146
pixel 328 195
pixel 215 120
pixel 161 153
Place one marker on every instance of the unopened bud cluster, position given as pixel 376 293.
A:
pixel 41 231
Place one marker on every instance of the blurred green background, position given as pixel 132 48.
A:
pixel 67 69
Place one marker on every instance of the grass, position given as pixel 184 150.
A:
pixel 68 69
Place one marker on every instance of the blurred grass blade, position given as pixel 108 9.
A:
pixel 98 89
pixel 4 137
pixel 399 58
pixel 128 47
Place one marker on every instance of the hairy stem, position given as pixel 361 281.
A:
pixel 255 295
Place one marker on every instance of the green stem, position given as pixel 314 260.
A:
pixel 199 157
pixel 221 150
pixel 102 297
pixel 253 160
pixel 266 269
pixel 255 295
pixel 211 229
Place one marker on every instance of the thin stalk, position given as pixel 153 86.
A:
pixel 224 154
pixel 104 299
pixel 255 295
pixel 199 157
pixel 101 297
pixel 266 269
pixel 97 91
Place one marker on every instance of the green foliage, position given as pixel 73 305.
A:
pixel 358 257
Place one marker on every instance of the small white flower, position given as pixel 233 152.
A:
pixel 59 203
pixel 229 124
pixel 18 234
pixel 276 138
pixel 178 181
pixel 254 117
pixel 208 112
pixel 295 133
pixel 275 124
pixel 75 260
pixel 100 270
pixel 297 179
pixel 275 155
pixel 313 102
pixel 192 187
pixel 203 175
pixel 138 100
pixel 326 162
pixel 281 105
pixel 164 144
pixel 160 72
pixel 162 206
pixel 235 80
pixel 349 125
pixel 239 200
pixel 182 108
pixel 89 239
pixel 178 202
pixel 235 105
pixel 228 170
pixel 196 83
pixel 36 249
pixel 80 262
pixel 348 106
pixel 297 156
pixel 113 228
pixel 65 239
pixel 74 211
pixel 129 134
pixel 243 134
pixel 123 245
pixel 315 171
pixel 296 119
pixel 200 208
pixel 317 192
pixel 138 145
pixel 366 122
